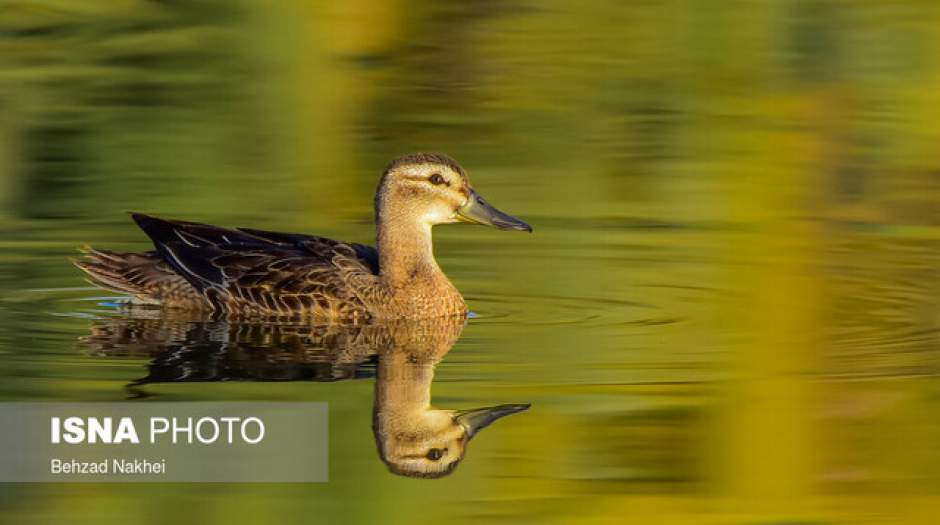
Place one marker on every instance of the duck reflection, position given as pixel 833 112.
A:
pixel 413 437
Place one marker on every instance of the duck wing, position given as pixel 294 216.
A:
pixel 367 254
pixel 258 272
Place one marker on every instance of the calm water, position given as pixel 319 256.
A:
pixel 728 312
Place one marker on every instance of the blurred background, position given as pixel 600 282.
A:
pixel 728 312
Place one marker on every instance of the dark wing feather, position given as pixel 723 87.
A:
pixel 169 230
pixel 314 244
pixel 256 271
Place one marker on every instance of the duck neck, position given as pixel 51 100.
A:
pixel 406 253
pixel 402 387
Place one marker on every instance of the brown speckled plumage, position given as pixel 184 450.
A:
pixel 243 271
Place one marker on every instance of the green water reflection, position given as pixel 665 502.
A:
pixel 729 309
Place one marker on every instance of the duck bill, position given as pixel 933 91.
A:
pixel 475 420
pixel 478 211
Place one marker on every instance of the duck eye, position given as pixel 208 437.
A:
pixel 435 454
pixel 436 179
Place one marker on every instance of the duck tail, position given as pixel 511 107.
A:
pixel 126 273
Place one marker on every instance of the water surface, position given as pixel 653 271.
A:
pixel 728 311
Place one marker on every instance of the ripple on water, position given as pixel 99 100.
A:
pixel 548 310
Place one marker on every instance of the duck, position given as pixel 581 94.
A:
pixel 243 271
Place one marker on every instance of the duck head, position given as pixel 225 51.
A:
pixel 430 442
pixel 432 189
